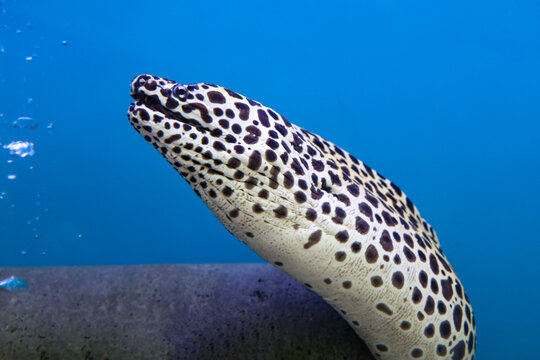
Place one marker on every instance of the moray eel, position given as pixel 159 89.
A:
pixel 315 211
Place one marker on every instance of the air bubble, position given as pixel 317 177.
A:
pixel 20 148
pixel 25 122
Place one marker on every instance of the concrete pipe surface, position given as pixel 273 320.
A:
pixel 199 311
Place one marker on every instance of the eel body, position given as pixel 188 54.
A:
pixel 315 211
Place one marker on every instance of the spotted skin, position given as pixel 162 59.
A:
pixel 314 211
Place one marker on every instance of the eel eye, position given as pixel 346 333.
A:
pixel 180 92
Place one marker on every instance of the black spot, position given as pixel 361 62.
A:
pixel 251 182
pixel 441 350
pixel 243 110
pixel 422 276
pixel 429 308
pixel 272 143
pixel 300 197
pixel 382 347
pixel 263 194
pixel 396 189
pixel 376 281
pixel 366 210
pixel 334 178
pixel 409 254
pixel 340 256
pixel 416 295
pixel 433 264
pixel 172 138
pixel 218 145
pixel 386 241
pixel 346 284
pixel 288 180
pixel 234 213
pixel 270 155
pixel 446 286
pixel 457 286
pixel 458 316
pixel 311 214
pixel 227 191
pixel 281 129
pixel 326 208
pixel 255 160
pixel 441 307
pixel 317 165
pixel 295 165
pixel 280 212
pixel 263 117
pixel 372 200
pixel 233 94
pixel 340 212
pixel 239 149
pixel 458 351
pixel 444 263
pixel 353 190
pixel 237 129
pixel 171 103
pixel 417 353
pixel 344 199
pixel 445 329
pixel 398 279
pixel 471 341
pixel 408 239
pixel 251 139
pixel 342 236
pixel 372 255
pixel 233 163
pixel 434 286
pixel 284 157
pixel 257 208
pixel 382 307
pixel 313 239
pixel 216 97
pixel 219 112
pixel 389 219
pixel 361 226
pixel 405 325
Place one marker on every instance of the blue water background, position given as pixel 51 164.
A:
pixel 442 98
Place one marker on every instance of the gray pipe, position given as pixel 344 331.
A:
pixel 221 311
